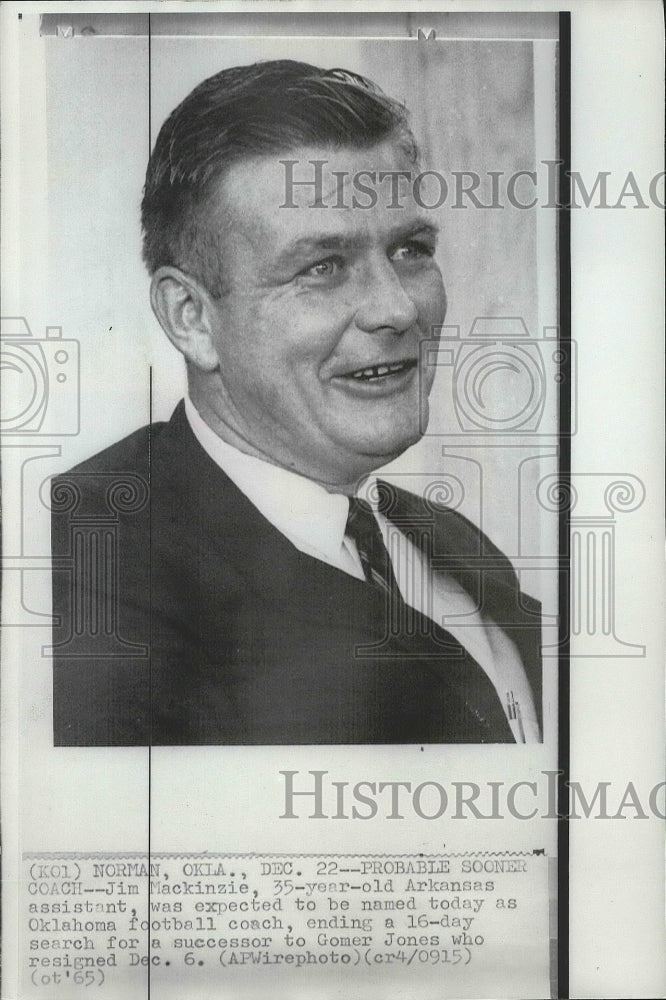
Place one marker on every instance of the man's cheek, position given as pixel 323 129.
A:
pixel 427 380
pixel 432 295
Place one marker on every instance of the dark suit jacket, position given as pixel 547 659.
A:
pixel 183 616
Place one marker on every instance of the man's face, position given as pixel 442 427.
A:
pixel 318 331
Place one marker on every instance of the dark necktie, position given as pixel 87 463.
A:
pixel 474 698
pixel 363 528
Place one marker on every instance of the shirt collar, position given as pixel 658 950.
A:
pixel 310 517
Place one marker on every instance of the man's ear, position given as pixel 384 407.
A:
pixel 183 308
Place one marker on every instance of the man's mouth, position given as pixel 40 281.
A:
pixel 382 371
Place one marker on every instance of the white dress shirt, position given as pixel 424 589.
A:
pixel 314 521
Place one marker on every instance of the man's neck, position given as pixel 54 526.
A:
pixel 236 439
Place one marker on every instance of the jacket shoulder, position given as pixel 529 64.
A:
pixel 131 454
pixel 468 530
pixel 459 535
pixel 115 481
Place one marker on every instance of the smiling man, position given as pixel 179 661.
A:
pixel 218 579
pixel 309 358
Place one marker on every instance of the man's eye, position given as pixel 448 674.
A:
pixel 412 250
pixel 327 268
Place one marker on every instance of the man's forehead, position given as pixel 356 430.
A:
pixel 390 153
pixel 321 193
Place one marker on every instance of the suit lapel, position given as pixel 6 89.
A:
pixel 461 549
pixel 234 546
pixel 235 539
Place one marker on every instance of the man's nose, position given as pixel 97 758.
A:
pixel 385 304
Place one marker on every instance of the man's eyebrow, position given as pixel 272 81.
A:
pixel 306 244
pixel 341 241
pixel 418 227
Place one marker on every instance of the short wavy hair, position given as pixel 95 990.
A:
pixel 243 112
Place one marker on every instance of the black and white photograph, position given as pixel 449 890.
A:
pixel 328 469
pixel 224 576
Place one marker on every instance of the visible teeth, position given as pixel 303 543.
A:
pixel 377 371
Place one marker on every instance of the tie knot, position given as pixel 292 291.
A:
pixel 361 523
